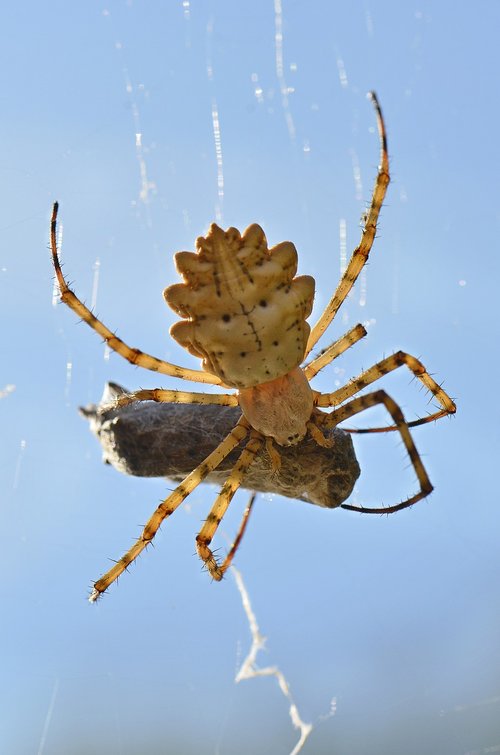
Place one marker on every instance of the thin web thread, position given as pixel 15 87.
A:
pixel 250 670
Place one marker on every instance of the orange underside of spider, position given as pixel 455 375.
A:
pixel 244 313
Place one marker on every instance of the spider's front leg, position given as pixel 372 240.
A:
pixel 132 355
pixel 233 482
pixel 358 405
pixel 362 251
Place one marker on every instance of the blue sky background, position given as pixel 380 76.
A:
pixel 396 618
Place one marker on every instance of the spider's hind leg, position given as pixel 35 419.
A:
pixel 239 535
pixel 358 405
pixel 384 367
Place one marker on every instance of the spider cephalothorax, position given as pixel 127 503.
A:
pixel 244 315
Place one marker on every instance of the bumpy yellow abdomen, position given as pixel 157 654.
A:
pixel 244 311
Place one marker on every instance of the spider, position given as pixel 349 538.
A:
pixel 243 312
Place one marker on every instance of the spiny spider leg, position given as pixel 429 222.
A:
pixel 378 370
pixel 333 351
pixel 239 535
pixel 360 254
pixel 170 504
pixel 132 355
pixel 358 405
pixel 214 518
pixel 164 396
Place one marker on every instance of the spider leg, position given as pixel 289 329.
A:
pixel 239 535
pixel 333 351
pixel 233 482
pixel 274 455
pixel 170 504
pixel 359 405
pixel 132 355
pixel 163 396
pixel 316 434
pixel 360 254
pixel 382 368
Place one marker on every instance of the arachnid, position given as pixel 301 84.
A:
pixel 243 312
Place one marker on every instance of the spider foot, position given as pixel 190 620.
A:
pixel 124 400
pixel 274 455
pixel 94 595
pixel 209 561
pixel 318 436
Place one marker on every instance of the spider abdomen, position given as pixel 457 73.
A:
pixel 244 313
